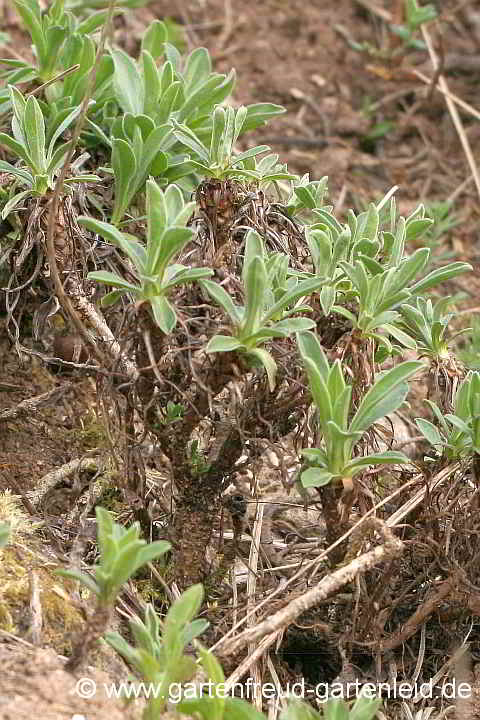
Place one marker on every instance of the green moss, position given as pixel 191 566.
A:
pixel 92 434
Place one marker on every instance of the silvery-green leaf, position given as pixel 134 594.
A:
pixel 24 176
pixel 180 613
pixel 109 232
pixel 188 138
pixel 124 167
pixel 255 284
pixel 109 278
pixel 389 457
pixel 156 207
pixel 35 134
pixel 309 347
pixel 154 38
pixel 173 240
pixel 327 299
pixel 316 477
pixel 250 153
pixel 151 82
pixel 385 396
pixel 13 202
pixel 268 363
pixel 224 300
pixel 259 114
pixel 430 432
pixel 127 83
pixel 188 275
pixel 222 343
pixel 440 275
pixel 197 67
pixel 415 228
pixel 401 336
pixel 164 314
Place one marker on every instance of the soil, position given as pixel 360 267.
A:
pixel 363 119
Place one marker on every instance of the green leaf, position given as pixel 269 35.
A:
pixel 320 394
pixel 294 325
pixel 23 175
pixel 13 202
pixel 417 228
pixel 187 275
pixel 127 83
pixel 224 300
pixel 109 278
pixel 92 22
pixel 207 95
pixel 156 207
pixel 152 551
pixel 316 477
pixel 61 129
pixel 259 114
pixel 249 153
pixel 430 432
pixel 385 396
pixel 336 709
pixel 35 135
pixel 210 664
pixel 159 138
pixel 198 67
pixel 132 249
pixel 83 578
pixel 440 275
pixel 194 629
pixel 327 299
pixel 181 612
pixel 389 457
pixel 163 313
pixel 218 127
pixel 364 708
pixel 237 709
pixel 206 707
pixel 268 363
pixel 154 38
pixel 401 336
pixel 222 343
pixel 303 289
pixel 124 167
pixel 407 270
pixel 309 347
pixel 31 16
pixel 255 284
pixel 18 120
pixel 370 230
pixel 188 138
pixel 151 81
pixel 173 241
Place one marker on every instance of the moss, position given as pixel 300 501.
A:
pixel 92 434
pixel 18 560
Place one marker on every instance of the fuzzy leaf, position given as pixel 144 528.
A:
pixel 222 343
pixel 127 83
pixel 316 477
pixel 385 396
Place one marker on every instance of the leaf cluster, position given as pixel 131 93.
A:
pixel 122 553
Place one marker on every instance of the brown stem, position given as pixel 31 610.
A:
pixel 96 626
pixel 335 528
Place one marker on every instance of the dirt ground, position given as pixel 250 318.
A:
pixel 363 119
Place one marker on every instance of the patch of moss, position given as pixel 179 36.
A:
pixel 92 434
pixel 23 556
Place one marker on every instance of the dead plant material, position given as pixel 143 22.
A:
pixel 326 587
